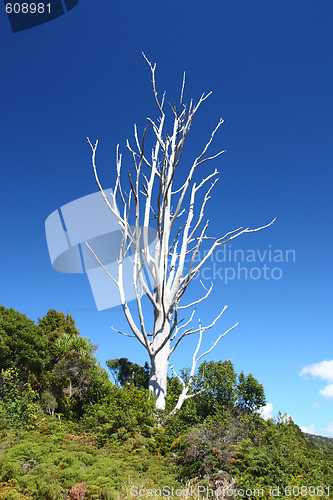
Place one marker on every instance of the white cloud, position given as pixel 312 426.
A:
pixel 266 411
pixel 315 405
pixel 323 370
pixel 310 429
pixel 329 428
pixel 327 392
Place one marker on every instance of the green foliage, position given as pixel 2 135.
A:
pixel 75 370
pixel 56 359
pixel 72 366
pixel 207 448
pixel 55 324
pixel 217 380
pixel 19 400
pixel 250 394
pixel 73 342
pixel 22 343
pixel 126 372
pixel 100 385
pixel 324 444
pixel 219 389
pixel 109 437
pixel 275 454
pixel 55 461
pixel 8 491
pixel 48 402
pixel 62 335
pixel 173 392
pixel 255 453
pixel 121 414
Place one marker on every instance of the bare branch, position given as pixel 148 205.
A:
pixel 122 333
pixel 199 300
pixel 152 69
pixel 196 162
pixel 178 328
pixel 100 263
pixel 176 374
pixel 200 329
pixel 184 394
pixel 223 241
pixel 114 209
pixel 216 341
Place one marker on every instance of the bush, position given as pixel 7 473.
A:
pixel 56 462
pixel 122 413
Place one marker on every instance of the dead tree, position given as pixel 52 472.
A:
pixel 154 201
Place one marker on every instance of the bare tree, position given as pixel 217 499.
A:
pixel 154 201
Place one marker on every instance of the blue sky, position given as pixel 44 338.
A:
pixel 269 65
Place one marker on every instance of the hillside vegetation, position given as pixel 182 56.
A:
pixel 68 432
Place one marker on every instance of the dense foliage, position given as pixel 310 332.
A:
pixel 68 432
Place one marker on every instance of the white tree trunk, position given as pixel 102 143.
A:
pixel 158 376
pixel 159 363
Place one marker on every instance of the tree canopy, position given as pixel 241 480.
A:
pixel 22 343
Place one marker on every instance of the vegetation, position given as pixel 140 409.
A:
pixel 68 432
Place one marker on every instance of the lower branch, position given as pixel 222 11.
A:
pixel 186 387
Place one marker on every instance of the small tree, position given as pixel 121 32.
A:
pixel 126 372
pixel 23 344
pixel 251 394
pixel 155 200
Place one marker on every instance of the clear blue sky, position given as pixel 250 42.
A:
pixel 270 67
